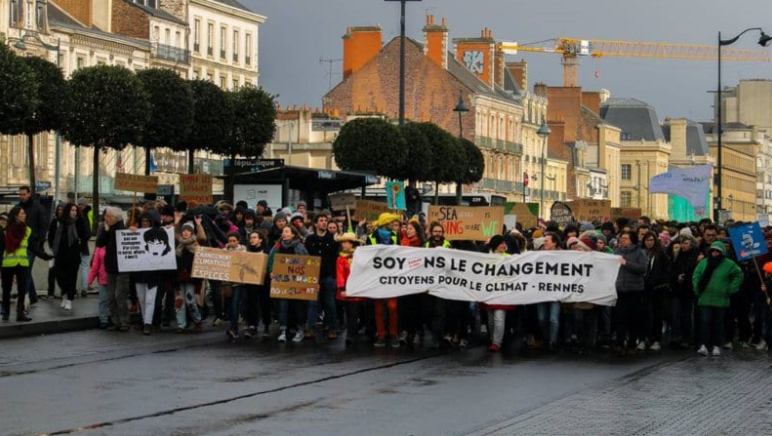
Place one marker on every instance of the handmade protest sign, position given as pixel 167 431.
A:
pixel 395 195
pixel 464 223
pixel 370 210
pixel 295 277
pixel 136 183
pixel 527 213
pixel 339 202
pixel 229 266
pixel 561 213
pixel 385 271
pixel 626 212
pixel 145 250
pixel 196 187
pixel 586 209
pixel 748 241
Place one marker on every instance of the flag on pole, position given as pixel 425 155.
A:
pixel 692 183
pixel 119 162
pixel 153 166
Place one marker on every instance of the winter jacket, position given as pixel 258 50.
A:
pixel 724 282
pixel 106 239
pixel 343 268
pixel 97 270
pixel 325 247
pixel 684 263
pixel 630 278
pixel 295 247
pixel 36 220
pixel 657 275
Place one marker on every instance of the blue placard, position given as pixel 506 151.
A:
pixel 748 241
pixel 395 195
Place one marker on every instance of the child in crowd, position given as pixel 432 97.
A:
pixel 354 306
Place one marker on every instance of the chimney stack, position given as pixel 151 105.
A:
pixel 360 46
pixel 519 71
pixel 436 37
pixel 540 89
pixel 478 56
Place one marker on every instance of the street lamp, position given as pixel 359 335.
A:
pixel 460 108
pixel 402 58
pixel 764 41
pixel 21 46
pixel 543 132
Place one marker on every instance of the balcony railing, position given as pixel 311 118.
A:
pixel 171 53
pixel 498 144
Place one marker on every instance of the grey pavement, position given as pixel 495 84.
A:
pixel 48 317
pixel 100 383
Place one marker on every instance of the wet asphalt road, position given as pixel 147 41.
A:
pixel 99 383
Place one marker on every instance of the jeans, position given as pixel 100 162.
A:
pixel 326 299
pixel 8 273
pixel 85 265
pixel 683 307
pixel 298 308
pixel 30 282
pixel 496 324
pixel 240 293
pixel 629 318
pixel 117 294
pixel 712 326
pixel 549 320
pixel 186 301
pixel 146 296
pixel 104 314
pixel 586 326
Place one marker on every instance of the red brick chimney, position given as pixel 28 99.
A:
pixel 519 71
pixel 436 36
pixel 477 55
pixel 591 99
pixel 360 46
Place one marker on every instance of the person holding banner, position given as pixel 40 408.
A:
pixel 258 296
pixel 354 306
pixel 549 313
pixel 715 280
pixel 414 310
pixel 147 282
pixel 290 243
pixel 239 290
pixel 321 243
pixel 630 292
pixel 68 242
pixel 384 234
pixel 188 240
pixel 117 282
pixel 497 313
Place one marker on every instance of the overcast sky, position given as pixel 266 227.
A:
pixel 300 32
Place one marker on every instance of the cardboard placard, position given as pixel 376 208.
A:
pixel 395 195
pixel 591 210
pixel 339 202
pixel 631 213
pixel 295 277
pixel 465 223
pixel 229 266
pixel 136 183
pixel 145 250
pixel 196 187
pixel 561 213
pixel 370 210
pixel 527 213
pixel 748 241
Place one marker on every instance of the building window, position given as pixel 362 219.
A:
pixel 210 39
pixel 168 37
pixel 235 84
pixel 156 33
pixel 41 15
pixel 178 39
pixel 627 171
pixel 222 83
pixel 15 12
pixel 223 41
pixel 248 50
pixel 196 74
pixel 626 136
pixel 625 198
pixel 29 15
pixel 81 62
pixel 235 46
pixel 197 35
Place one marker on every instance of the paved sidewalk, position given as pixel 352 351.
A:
pixel 48 317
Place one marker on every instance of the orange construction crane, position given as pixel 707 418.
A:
pixel 572 48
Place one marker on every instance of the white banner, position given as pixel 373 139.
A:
pixel 692 183
pixel 384 271
pixel 146 250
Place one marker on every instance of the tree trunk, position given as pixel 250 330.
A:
pixel 230 179
pixel 95 190
pixel 459 190
pixel 191 161
pixel 147 161
pixel 436 193
pixel 31 152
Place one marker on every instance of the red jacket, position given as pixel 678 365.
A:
pixel 343 270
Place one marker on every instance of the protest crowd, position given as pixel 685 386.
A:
pixel 679 284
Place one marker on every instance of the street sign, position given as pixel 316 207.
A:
pixel 42 186
pixel 253 165
pixel 525 179
pixel 165 190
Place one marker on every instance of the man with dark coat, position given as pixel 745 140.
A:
pixel 38 223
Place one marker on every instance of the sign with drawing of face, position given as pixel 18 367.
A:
pixel 146 250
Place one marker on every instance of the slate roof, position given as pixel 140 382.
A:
pixel 710 126
pixel 160 13
pixel 696 144
pixel 636 118
pixel 57 17
pixel 234 4
pixel 510 84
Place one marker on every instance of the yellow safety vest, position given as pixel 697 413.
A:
pixel 18 257
pixel 445 244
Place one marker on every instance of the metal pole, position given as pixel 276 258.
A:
pixel 719 182
pixel 57 141
pixel 289 145
pixel 543 150
pixel 402 64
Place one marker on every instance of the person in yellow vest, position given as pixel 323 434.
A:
pixel 15 262
pixel 384 235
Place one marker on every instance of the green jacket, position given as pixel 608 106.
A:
pixel 724 283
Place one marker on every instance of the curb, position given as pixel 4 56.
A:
pixel 11 329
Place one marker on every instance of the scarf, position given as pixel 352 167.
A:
pixel 713 264
pixel 411 242
pixel 65 226
pixel 383 236
pixel 290 245
pixel 14 236
pixel 186 244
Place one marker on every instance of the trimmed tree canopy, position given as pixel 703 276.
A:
pixel 448 157
pixel 19 96
pixel 54 96
pixel 475 162
pixel 171 113
pixel 418 165
pixel 253 122
pixel 371 144
pixel 109 107
pixel 212 118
